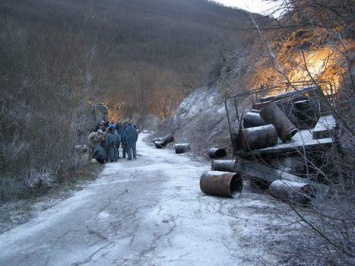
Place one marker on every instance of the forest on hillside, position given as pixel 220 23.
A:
pixel 59 58
pixel 118 50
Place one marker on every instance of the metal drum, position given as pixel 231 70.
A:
pixel 293 192
pixel 284 127
pixel 158 144
pixel 167 139
pixel 305 112
pixel 258 137
pixel 253 119
pixel 182 148
pixel 223 165
pixel 221 183
pixel 217 153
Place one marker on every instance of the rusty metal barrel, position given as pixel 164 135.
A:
pixel 293 192
pixel 221 183
pixel 158 144
pixel 182 148
pixel 305 112
pixel 217 153
pixel 253 119
pixel 167 139
pixel 284 127
pixel 156 139
pixel 223 165
pixel 258 137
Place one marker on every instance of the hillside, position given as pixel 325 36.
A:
pixel 141 58
pixel 128 48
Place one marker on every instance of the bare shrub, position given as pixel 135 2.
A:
pixel 311 33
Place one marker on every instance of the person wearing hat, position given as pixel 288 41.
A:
pixel 112 125
pixel 94 139
pixel 130 137
pixel 113 140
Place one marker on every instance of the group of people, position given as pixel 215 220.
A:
pixel 106 139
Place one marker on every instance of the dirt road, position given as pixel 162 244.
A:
pixel 150 211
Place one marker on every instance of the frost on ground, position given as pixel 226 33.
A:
pixel 19 212
pixel 151 211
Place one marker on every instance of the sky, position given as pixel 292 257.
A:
pixel 254 6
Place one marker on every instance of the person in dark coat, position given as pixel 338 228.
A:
pixel 119 127
pixel 124 144
pixel 100 154
pixel 130 137
pixel 119 131
pixel 113 140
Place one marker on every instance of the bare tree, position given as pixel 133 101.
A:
pixel 314 42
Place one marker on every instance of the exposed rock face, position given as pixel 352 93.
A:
pixel 201 118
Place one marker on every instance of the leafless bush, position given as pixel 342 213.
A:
pixel 46 84
pixel 312 27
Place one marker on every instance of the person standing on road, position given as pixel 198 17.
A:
pixel 130 137
pixel 94 139
pixel 124 146
pixel 113 140
pixel 119 126
pixel 119 131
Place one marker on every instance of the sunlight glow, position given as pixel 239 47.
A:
pixel 254 6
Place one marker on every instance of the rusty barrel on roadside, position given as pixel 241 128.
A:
pixel 253 119
pixel 273 115
pixel 223 165
pixel 158 144
pixel 258 137
pixel 221 183
pixel 182 147
pixel 293 192
pixel 217 153
pixel 167 139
